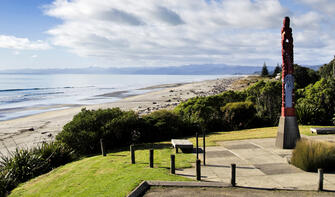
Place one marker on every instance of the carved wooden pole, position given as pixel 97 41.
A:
pixel 288 131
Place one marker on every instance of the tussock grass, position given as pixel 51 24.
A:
pixel 309 155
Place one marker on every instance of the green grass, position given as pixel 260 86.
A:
pixel 266 132
pixel 104 176
pixel 115 176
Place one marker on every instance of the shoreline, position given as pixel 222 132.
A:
pixel 29 131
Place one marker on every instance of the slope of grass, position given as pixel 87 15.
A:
pixel 104 176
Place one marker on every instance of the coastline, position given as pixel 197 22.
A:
pixel 29 131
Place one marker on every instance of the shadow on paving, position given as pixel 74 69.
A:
pixel 230 191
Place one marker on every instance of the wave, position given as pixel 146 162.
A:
pixel 37 89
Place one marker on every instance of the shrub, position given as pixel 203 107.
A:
pixel 205 111
pixel 24 164
pixel 86 129
pixel 165 125
pixel 267 99
pixel 328 70
pixel 239 115
pixel 319 102
pixel 310 155
pixel 304 76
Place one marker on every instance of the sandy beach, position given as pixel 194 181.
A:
pixel 32 130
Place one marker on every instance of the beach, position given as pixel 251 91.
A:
pixel 29 131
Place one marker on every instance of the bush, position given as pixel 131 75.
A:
pixel 304 76
pixel 165 125
pixel 267 99
pixel 327 70
pixel 206 112
pixel 84 132
pixel 317 104
pixel 22 165
pixel 310 155
pixel 239 115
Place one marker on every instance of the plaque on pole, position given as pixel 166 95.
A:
pixel 288 130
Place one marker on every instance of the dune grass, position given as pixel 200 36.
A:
pixel 115 176
pixel 104 176
pixel 309 155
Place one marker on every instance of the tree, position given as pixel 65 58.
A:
pixel 265 71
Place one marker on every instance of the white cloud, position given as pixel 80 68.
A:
pixel 34 56
pixel 12 42
pixel 151 32
pixel 172 32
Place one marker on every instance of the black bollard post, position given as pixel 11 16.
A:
pixel 320 172
pixel 233 175
pixel 173 165
pixel 103 152
pixel 204 143
pixel 198 170
pixel 132 154
pixel 197 144
pixel 151 153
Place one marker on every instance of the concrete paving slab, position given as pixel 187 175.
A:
pixel 241 146
pixel 262 182
pixel 277 168
pixel 258 156
pixel 296 180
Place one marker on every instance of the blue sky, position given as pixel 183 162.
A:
pixel 121 33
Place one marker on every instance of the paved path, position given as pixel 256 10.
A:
pixel 259 165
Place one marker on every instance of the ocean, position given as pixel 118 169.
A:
pixel 27 94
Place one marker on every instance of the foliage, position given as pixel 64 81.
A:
pixel 239 115
pixel 317 105
pixel 86 129
pixel 267 99
pixel 310 155
pixel 205 111
pixel 276 70
pixel 304 76
pixel 24 164
pixel 265 71
pixel 328 70
pixel 165 125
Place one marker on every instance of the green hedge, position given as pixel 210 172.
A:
pixel 239 115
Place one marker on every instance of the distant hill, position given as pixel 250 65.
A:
pixel 204 69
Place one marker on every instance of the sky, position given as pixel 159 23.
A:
pixel 46 34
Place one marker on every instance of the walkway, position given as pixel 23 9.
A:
pixel 259 165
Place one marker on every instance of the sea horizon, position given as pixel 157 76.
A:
pixel 28 94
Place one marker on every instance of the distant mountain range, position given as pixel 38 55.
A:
pixel 204 69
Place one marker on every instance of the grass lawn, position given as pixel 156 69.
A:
pixel 115 176
pixel 112 175
pixel 266 132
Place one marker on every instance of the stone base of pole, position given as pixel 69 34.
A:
pixel 288 132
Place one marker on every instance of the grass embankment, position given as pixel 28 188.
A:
pixel 105 176
pixel 115 176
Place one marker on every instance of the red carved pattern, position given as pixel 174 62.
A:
pixel 287 66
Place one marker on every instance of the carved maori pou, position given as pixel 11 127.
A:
pixel 287 70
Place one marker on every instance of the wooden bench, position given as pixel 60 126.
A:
pixel 330 130
pixel 184 145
